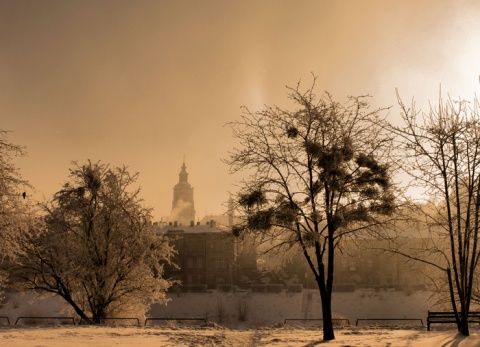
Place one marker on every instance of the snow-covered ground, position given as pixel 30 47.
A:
pixel 83 336
pixel 243 319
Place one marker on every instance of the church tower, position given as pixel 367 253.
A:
pixel 183 208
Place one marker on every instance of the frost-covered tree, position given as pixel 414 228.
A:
pixel 319 174
pixel 16 216
pixel 98 250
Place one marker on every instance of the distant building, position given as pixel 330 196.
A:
pixel 364 267
pixel 360 265
pixel 207 251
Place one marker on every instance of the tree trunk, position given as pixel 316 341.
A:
pixel 464 324
pixel 462 316
pixel 328 333
pixel 326 299
pixel 99 316
pixel 65 294
pixel 452 299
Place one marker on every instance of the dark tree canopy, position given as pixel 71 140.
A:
pixel 319 172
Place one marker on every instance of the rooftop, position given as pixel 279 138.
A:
pixel 209 227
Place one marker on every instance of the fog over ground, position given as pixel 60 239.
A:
pixel 147 83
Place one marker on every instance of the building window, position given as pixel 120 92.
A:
pixel 190 263
pixel 370 263
pixel 353 265
pixel 189 246
pixel 220 263
pixel 200 246
pixel 220 247
pixel 344 263
pixel 199 262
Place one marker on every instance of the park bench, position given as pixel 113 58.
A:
pixel 113 321
pixel 189 319
pixel 449 317
pixel 396 321
pixel 46 320
pixel 336 321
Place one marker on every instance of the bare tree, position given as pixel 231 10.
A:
pixel 98 251
pixel 442 154
pixel 319 174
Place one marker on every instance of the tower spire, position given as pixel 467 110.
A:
pixel 183 175
pixel 183 208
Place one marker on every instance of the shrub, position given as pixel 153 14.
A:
pixel 344 288
pixel 419 287
pixel 177 289
pixel 274 288
pixel 224 288
pixel 220 310
pixel 408 290
pixel 242 307
pixel 195 288
pixel 258 288
pixel 294 288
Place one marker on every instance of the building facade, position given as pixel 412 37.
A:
pixel 206 255
pixel 360 265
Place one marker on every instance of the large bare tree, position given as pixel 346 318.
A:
pixel 442 154
pixel 318 174
pixel 98 250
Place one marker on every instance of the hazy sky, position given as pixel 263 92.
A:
pixel 147 83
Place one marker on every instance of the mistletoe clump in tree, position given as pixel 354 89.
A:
pixel 319 173
pixel 98 250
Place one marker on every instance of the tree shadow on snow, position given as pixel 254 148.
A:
pixel 315 343
pixel 455 341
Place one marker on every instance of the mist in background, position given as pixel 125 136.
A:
pixel 149 84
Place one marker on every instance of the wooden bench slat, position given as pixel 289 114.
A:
pixel 204 320
pixel 449 317
pixel 389 320
pixel 111 319
pixel 45 318
pixel 334 320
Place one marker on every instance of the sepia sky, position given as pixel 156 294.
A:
pixel 149 83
